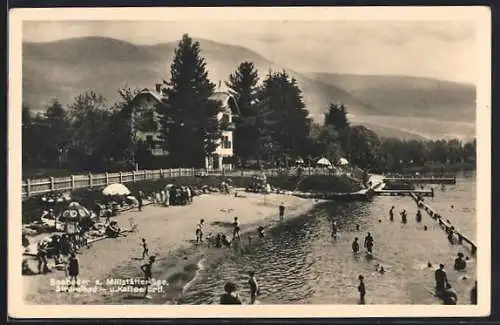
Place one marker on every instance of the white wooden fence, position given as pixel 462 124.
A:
pixel 38 186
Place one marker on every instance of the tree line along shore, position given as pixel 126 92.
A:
pixel 273 127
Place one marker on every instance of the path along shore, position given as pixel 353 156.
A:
pixel 169 233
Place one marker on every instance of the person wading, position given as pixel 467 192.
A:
pixel 419 216
pixel 254 287
pixel 391 214
pixel 369 243
pixel 355 245
pixel 441 279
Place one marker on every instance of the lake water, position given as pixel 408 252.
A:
pixel 299 262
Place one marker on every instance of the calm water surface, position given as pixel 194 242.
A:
pixel 299 263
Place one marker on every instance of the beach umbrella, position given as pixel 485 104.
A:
pixel 343 162
pixel 73 204
pixel 323 162
pixel 299 160
pixel 116 189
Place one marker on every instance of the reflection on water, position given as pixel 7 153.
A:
pixel 300 263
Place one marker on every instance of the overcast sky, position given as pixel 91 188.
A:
pixel 443 50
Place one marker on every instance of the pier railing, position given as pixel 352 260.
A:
pixel 31 187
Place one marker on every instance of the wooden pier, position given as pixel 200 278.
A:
pixel 444 223
pixel 422 180
pixel 404 192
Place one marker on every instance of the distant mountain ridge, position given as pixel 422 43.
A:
pixel 65 68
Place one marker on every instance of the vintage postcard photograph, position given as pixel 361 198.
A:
pixel 293 162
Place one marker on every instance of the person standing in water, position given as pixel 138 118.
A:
pixel 148 275
pixel 362 290
pixel 145 249
pixel 355 245
pixel 281 211
pixel 441 279
pixel 369 243
pixel 460 263
pixel 254 287
pixel 236 229
pixel 391 213
pixel 334 230
pixel 419 216
pixel 230 297
pixel 403 217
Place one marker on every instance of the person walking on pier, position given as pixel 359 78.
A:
pixel 419 216
pixel 369 243
pixel 355 245
pixel 391 213
pixel 362 290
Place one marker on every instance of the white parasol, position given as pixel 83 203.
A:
pixel 343 162
pixel 323 162
pixel 116 189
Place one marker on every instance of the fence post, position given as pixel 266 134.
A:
pixel 106 178
pixel 90 180
pixel 28 187
pixel 52 184
pixel 121 178
pixel 72 182
pixel 133 176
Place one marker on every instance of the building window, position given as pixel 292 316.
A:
pixel 226 144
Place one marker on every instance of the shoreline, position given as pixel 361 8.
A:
pixel 170 235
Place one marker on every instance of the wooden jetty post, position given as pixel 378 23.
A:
pixel 445 224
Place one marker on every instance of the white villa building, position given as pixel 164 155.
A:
pixel 146 101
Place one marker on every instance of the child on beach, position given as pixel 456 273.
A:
pixel 148 274
pixel 236 229
pixel 73 269
pixel 362 290
pixel 199 231
pixel 254 287
pixel 145 249
pixel 282 211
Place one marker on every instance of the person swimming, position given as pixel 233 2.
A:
pixel 355 245
pixel 460 264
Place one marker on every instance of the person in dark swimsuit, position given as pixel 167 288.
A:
pixel 419 216
pixel 441 279
pixel 460 263
pixel 260 231
pixel 362 290
pixel 148 274
pixel 369 243
pixel 282 211
pixel 73 269
pixel 391 214
pixel 254 287
pixel 230 297
pixel 404 217
pixel 355 245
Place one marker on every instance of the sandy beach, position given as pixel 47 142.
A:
pixel 170 234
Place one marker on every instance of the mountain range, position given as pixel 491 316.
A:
pixel 393 106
